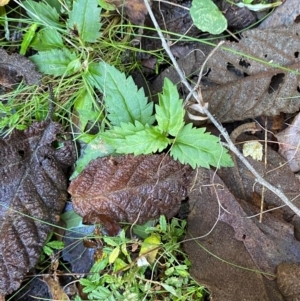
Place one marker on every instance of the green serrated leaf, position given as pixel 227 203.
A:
pixel 137 140
pixel 42 13
pixel 123 101
pixel 47 39
pixel 169 289
pixel 54 62
pixel 83 105
pixel 193 146
pixel 207 16
pixel 95 149
pixel 85 19
pixel 48 251
pixel 57 245
pixel 170 112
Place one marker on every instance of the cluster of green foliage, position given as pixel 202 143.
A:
pixel 207 16
pixel 148 266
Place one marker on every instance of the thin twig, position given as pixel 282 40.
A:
pixel 222 130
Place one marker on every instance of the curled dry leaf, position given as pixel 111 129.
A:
pixel 131 188
pixel 14 68
pixel 289 144
pixel 33 192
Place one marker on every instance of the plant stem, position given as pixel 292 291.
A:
pixel 222 130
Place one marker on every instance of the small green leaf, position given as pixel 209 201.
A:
pixel 57 245
pixel 83 105
pixel 163 223
pixel 48 251
pixel 95 149
pixel 28 37
pixel 71 219
pixel 150 247
pixel 114 255
pixel 42 13
pixel 54 62
pixel 193 146
pixel 47 39
pixel 85 19
pixel 106 5
pixel 207 17
pixel 123 101
pixel 137 140
pixel 169 289
pixel 170 112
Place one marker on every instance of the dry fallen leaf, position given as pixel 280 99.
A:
pixel 237 247
pixel 238 87
pixel 14 68
pixel 33 191
pixel 131 188
pixel 289 144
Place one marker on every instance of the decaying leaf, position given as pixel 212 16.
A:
pixel 242 183
pixel 288 275
pixel 33 191
pixel 241 87
pixel 289 144
pixel 221 259
pixel 134 9
pixel 285 14
pixel 14 68
pixel 129 188
pixel 110 226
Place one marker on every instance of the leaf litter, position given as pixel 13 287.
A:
pixel 268 84
pixel 33 194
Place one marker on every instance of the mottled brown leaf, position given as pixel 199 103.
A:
pixel 242 183
pixel 239 87
pixel 288 275
pixel 289 144
pixel 111 227
pixel 14 68
pixel 129 188
pixel 285 14
pixel 220 260
pixel 33 190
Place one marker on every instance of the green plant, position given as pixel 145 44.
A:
pixel 207 16
pixel 158 272
pixel 133 128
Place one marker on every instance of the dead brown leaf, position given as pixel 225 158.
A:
pixel 14 68
pixel 285 14
pixel 131 188
pixel 222 260
pixel 239 87
pixel 242 183
pixel 288 275
pixel 33 192
pixel 289 144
